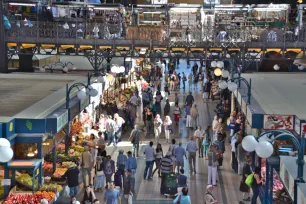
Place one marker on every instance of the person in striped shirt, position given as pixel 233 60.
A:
pixel 166 167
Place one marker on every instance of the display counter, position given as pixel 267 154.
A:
pixel 301 193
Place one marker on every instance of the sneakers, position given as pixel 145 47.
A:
pixel 247 199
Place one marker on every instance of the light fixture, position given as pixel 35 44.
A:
pixel 249 143
pixel 276 67
pixel 225 73
pixel 218 72
pixel 228 56
pixel 142 51
pixel 21 4
pixel 109 77
pixel 30 152
pixel 213 64
pixel 66 26
pixel 264 149
pixel 4 143
pixel 46 144
pixel 301 67
pixel 35 152
pixel 105 8
pixel 232 86
pixel 220 64
pixel 122 69
pixel 93 92
pixel 222 84
pixel 65 69
pixel 73 67
pixel 81 95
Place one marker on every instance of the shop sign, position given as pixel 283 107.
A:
pixel 297 125
pixel 6 182
pixel 30 125
pixel 10 128
pixel 62 121
pixel 278 122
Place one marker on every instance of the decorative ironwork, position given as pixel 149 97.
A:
pixel 95 58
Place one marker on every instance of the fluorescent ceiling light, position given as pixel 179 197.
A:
pixel 151 12
pixel 22 4
pixel 184 9
pixel 104 8
pixel 143 5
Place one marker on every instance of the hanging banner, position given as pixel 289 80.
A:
pixel 297 125
pixel 278 122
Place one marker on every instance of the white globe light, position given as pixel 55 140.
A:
pixel 213 64
pixel 228 56
pixel 100 79
pixel 4 143
pixel 88 88
pixel 93 92
pixel 65 69
pixel 232 86
pixel 222 84
pixel 6 154
pixel 276 67
pixel 218 72
pixel 225 73
pixel 301 67
pixel 249 143
pixel 114 68
pixel 264 149
pixel 122 69
pixel 81 95
pixel 220 64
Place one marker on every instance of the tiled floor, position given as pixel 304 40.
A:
pixel 147 192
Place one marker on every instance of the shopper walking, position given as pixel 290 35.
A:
pixel 166 168
pixel 189 99
pixel 179 153
pixel 206 141
pixel 109 168
pixel 167 108
pixel 159 155
pixel 150 155
pixel 192 149
pixel 131 163
pixel 199 136
pixel 214 127
pixel 171 149
pixel 99 175
pixel 244 188
pixel 89 195
pixel 188 117
pixel 209 198
pixel 194 114
pixel 110 130
pixel 206 90
pixel 177 114
pixel 129 186
pixel 119 123
pixel 158 100
pixel 121 162
pixel 112 195
pixel 73 184
pixel 256 184
pixel 86 165
pixel 190 81
pixel 234 155
pixel 135 138
pixel 157 127
pixel 167 127
pixel 181 181
pixel 183 198
pixel 149 122
pixel 184 79
pixel 241 153
pixel 212 165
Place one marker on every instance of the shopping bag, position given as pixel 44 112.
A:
pixel 249 180
pixel 130 200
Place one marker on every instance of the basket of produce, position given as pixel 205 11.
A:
pixel 59 173
pixel 26 181
pixel 30 198
pixel 51 187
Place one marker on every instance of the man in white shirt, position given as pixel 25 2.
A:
pixel 118 132
pixel 199 135
pixel 110 130
pixel 150 153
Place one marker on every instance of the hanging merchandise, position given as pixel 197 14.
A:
pixel 18 24
pixel 30 24
pixel 66 26
pixel 62 12
pixel 96 31
pixel 25 22
pixel 33 9
pixel 7 24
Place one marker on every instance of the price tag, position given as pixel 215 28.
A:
pixel 6 182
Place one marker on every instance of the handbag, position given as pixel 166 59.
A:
pixel 249 180
pixel 179 200
pixel 215 161
pixel 243 187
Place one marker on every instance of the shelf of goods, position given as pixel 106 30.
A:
pixel 184 19
pixel 145 32
pixel 20 197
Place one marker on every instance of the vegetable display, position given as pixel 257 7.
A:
pixel 29 198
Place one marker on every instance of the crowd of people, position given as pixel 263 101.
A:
pixel 205 142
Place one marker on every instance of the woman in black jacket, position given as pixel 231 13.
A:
pixel 89 196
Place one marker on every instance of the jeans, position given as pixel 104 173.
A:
pixel 118 136
pixel 86 171
pixel 111 138
pixel 73 191
pixel 200 147
pixel 205 149
pixel 135 149
pixel 255 190
pixel 149 166
pixel 192 161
